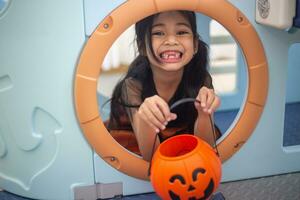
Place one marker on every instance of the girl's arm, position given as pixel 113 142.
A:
pixel 209 103
pixel 149 119
pixel 145 136
pixel 144 133
pixel 152 117
pixel 203 129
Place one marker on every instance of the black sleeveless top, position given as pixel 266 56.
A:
pixel 137 88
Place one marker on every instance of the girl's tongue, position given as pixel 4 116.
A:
pixel 170 56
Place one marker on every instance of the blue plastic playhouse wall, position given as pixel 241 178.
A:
pixel 43 154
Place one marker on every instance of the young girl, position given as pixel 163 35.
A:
pixel 171 65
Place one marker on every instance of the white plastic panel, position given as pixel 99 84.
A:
pixel 276 13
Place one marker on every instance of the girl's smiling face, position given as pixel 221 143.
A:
pixel 173 42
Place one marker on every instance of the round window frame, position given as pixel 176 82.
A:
pixel 97 46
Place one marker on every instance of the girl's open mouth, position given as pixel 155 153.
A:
pixel 170 56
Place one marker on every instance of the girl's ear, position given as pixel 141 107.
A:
pixel 196 44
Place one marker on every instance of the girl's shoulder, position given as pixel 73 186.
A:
pixel 132 91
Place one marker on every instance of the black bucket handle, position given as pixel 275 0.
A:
pixel 177 103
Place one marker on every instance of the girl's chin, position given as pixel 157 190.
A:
pixel 171 68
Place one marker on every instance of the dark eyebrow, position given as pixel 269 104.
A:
pixel 159 24
pixel 183 24
pixel 178 24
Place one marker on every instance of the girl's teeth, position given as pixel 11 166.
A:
pixel 170 55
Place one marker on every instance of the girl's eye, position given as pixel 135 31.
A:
pixel 158 33
pixel 182 32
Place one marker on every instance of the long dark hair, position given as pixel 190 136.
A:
pixel 195 73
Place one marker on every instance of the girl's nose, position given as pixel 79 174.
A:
pixel 171 40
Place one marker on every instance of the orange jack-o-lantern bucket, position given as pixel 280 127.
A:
pixel 185 167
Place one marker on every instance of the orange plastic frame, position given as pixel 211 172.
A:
pixel 88 71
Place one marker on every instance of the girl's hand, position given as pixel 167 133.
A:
pixel 156 112
pixel 209 101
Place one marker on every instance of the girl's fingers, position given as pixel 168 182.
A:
pixel 203 99
pixel 198 105
pixel 165 114
pixel 149 118
pixel 153 120
pixel 156 111
pixel 164 108
pixel 157 122
pixel 173 116
pixel 152 103
pixel 210 98
pixel 208 101
pixel 216 103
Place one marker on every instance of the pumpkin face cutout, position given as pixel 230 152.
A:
pixel 191 188
pixel 185 168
